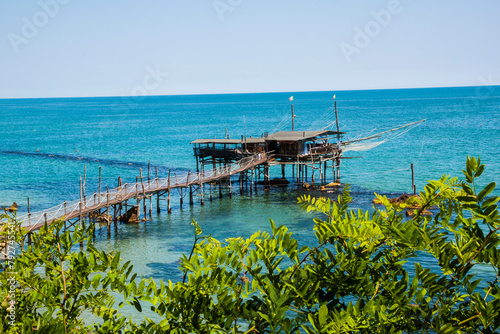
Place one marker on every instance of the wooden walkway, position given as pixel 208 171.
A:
pixel 76 209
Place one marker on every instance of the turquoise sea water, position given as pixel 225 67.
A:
pixel 45 144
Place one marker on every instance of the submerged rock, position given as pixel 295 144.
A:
pixel 275 182
pixel 409 200
pixel 100 217
pixel 130 216
pixel 424 212
pixel 12 208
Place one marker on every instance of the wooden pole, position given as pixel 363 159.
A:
pixel 305 167
pixel 150 205
pixel 293 120
pixel 81 194
pixel 337 117
pixel 413 180
pixel 298 175
pixel 84 181
pixel 107 211
pixel 201 191
pixel 180 190
pixel 158 193
pixel 137 198
pixel 143 195
pixel 324 172
pixel 312 170
pixel 29 222
pixel 169 191
pixel 99 184
pixel 126 201
pixel 29 213
pixel 251 181
pixel 267 181
pixel 190 188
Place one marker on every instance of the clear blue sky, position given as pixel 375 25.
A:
pixel 110 48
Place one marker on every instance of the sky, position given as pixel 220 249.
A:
pixel 73 48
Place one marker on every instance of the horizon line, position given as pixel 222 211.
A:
pixel 240 93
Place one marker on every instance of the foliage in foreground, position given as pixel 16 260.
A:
pixel 368 273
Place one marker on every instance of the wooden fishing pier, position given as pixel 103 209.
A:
pixel 310 154
pixel 218 162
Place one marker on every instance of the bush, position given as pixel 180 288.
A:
pixel 364 275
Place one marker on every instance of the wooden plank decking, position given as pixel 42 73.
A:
pixel 72 210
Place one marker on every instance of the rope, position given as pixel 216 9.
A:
pixel 99 201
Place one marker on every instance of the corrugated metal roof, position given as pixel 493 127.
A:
pixel 299 135
pixel 228 141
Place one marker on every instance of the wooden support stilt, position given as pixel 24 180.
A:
pixel 324 172
pixel 312 170
pixel 333 171
pixel 29 213
pixel 267 181
pixel 115 209
pixel 190 190
pixel 298 167
pixel 119 212
pixel 158 209
pixel 138 208
pixel 79 222
pixel 126 202
pixel 220 188
pixel 211 197
pixel 413 181
pixel 283 171
pixel 150 205
pixel 338 172
pixel 305 167
pixel 149 171
pixel 293 171
pixel 99 184
pixel 251 181
pixel 81 194
pixel 169 209
pixel 321 171
pixel 180 190
pixel 107 212
pixel 84 181
pixel 143 196
pixel 201 192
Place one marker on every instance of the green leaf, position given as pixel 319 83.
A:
pixel 490 201
pixel 323 315
pixel 486 191
pixel 95 281
pixel 137 305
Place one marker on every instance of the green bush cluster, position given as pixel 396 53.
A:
pixel 362 276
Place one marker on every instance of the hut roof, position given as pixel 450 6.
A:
pixel 229 141
pixel 299 135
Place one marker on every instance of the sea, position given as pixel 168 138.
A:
pixel 47 144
